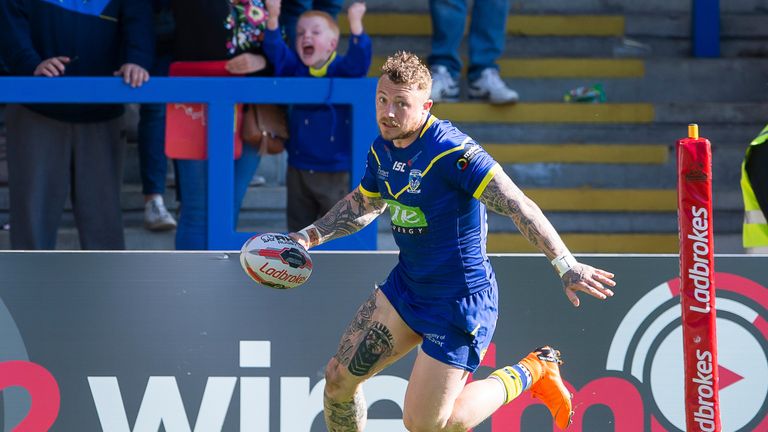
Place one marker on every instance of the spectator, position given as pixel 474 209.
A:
pixel 292 10
pixel 754 188
pixel 320 143
pixel 55 149
pixel 487 33
pixel 151 132
pixel 216 30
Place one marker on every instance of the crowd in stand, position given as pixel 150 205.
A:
pixel 76 151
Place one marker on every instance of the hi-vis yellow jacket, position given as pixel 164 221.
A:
pixel 755 233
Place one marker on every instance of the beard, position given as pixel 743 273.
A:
pixel 400 135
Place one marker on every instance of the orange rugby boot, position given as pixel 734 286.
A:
pixel 543 364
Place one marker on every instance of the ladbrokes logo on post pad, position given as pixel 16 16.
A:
pixel 648 345
pixel 643 382
pixel 406 219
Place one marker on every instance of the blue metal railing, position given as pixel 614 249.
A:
pixel 705 28
pixel 221 94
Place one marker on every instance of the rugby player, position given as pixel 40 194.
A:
pixel 442 295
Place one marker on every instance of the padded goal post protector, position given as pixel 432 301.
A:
pixel 697 277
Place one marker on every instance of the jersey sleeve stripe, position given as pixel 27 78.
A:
pixel 368 193
pixel 487 179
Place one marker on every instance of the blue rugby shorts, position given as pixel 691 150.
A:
pixel 455 331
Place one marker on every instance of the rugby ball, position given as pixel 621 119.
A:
pixel 275 260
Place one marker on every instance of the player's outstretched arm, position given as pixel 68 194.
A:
pixel 351 214
pixel 504 197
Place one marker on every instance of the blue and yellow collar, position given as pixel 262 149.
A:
pixel 322 70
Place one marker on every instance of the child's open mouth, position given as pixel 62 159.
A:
pixel 308 50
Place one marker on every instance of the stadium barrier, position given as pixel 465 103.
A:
pixel 127 341
pixel 705 28
pixel 221 94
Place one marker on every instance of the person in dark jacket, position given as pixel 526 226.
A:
pixel 57 148
pixel 320 146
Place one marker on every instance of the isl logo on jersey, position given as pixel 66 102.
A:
pixel 414 181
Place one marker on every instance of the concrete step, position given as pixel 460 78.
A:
pixel 562 67
pixel 380 24
pixel 726 221
pixel 623 113
pixel 720 134
pixel 549 199
pixel 584 6
pixel 563 199
pixel 632 80
pixel 533 112
pixel 597 243
pixel 726 168
pixel 582 46
pixel 635 24
pixel 678 25
pixel 611 200
pixel 578 153
pixel 546 46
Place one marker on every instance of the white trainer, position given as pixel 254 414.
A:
pixel 491 87
pixel 156 216
pixel 444 87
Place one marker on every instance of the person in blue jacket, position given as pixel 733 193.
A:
pixel 55 149
pixel 320 146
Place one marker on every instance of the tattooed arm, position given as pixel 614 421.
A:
pixel 504 197
pixel 348 216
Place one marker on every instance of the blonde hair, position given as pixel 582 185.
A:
pixel 404 67
pixel 325 16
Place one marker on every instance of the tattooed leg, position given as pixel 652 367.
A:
pixel 359 323
pixel 376 345
pixel 346 416
pixel 376 337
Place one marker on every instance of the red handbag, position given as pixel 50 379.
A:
pixel 186 134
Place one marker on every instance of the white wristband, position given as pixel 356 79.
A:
pixel 308 233
pixel 563 263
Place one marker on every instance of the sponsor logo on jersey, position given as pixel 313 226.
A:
pixel 406 219
pixel 398 166
pixel 414 181
pixel 381 174
pixel 463 161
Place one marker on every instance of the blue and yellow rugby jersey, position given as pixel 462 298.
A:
pixel 431 188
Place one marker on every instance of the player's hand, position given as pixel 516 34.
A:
pixel 355 16
pixel 273 12
pixel 300 239
pixel 52 67
pixel 588 279
pixel 133 74
pixel 246 63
